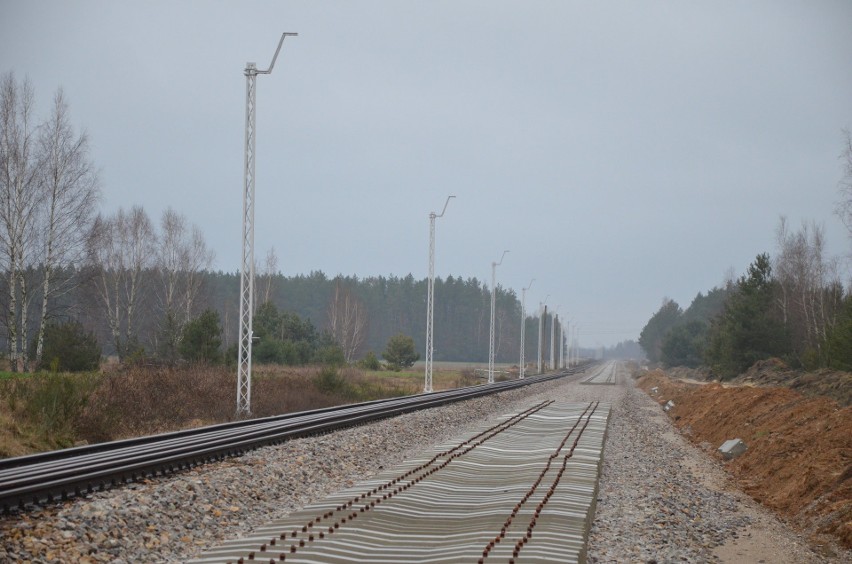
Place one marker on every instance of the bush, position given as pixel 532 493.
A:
pixel 329 381
pixel 330 354
pixel 370 362
pixel 838 349
pixel 68 347
pixel 268 351
pixel 400 352
pixel 202 338
pixel 50 404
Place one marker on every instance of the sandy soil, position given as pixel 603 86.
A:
pixel 798 462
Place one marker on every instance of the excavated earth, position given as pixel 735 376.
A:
pixel 799 456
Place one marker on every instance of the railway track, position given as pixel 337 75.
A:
pixel 58 475
pixel 606 375
pixel 518 491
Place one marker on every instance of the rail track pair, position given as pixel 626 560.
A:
pixel 59 475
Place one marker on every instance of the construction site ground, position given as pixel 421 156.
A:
pixel 798 432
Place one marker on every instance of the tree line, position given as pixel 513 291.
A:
pixel 139 288
pixel 362 315
pixel 791 306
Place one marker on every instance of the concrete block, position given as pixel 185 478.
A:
pixel 732 448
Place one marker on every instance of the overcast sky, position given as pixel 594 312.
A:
pixel 622 151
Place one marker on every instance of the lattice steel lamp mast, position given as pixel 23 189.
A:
pixel 247 271
pixel 553 323
pixel 430 297
pixel 494 266
pixel 522 362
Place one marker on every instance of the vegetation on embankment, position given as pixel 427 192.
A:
pixel 799 457
pixel 46 411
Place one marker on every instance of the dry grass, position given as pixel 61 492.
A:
pixel 58 410
pixel 460 375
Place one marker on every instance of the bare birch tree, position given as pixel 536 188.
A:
pixel 170 257
pixel 270 270
pixel 844 206
pixel 182 256
pixel 199 258
pixel 347 320
pixel 19 199
pixel 69 184
pixel 809 289
pixel 120 248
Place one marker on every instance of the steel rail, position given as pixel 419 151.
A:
pixel 333 520
pixel 525 484
pixel 58 475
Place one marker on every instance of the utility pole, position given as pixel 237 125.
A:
pixel 494 266
pixel 576 344
pixel 542 314
pixel 554 322
pixel 247 271
pixel 430 297
pixel 522 362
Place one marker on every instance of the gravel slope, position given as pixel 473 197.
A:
pixel 660 499
pixel 663 500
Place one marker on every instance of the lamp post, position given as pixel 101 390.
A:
pixel 552 337
pixel 247 276
pixel 542 313
pixel 494 266
pixel 576 345
pixel 430 296
pixel 567 344
pixel 522 362
pixel 570 346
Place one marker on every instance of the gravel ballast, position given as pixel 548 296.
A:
pixel 660 499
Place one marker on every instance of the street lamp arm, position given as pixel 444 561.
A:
pixel 278 50
pixel 445 206
pixel 501 259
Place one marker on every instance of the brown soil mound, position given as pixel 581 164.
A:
pixel 799 457
pixel 774 372
pixel 824 382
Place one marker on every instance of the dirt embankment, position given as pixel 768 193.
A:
pixel 799 457
pixel 773 372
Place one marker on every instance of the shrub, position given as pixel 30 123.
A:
pixel 202 338
pixel 68 347
pixel 400 352
pixel 268 351
pixel 51 404
pixel 370 362
pixel 330 354
pixel 838 349
pixel 329 381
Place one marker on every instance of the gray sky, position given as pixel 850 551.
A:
pixel 623 151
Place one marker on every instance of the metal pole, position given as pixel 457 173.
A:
pixel 522 362
pixel 542 313
pixel 430 298
pixel 561 347
pixel 576 345
pixel 570 346
pixel 247 266
pixel 553 324
pixel 571 349
pixel 494 266
pixel 540 321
